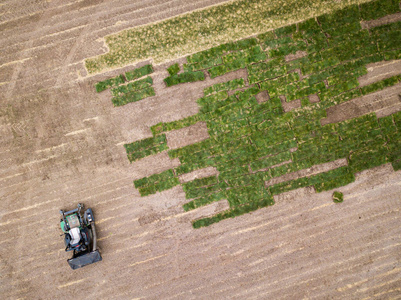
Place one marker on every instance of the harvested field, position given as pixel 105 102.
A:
pixel 333 124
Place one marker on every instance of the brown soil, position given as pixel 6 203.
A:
pixel 205 172
pixel 379 71
pixel 262 97
pixel 187 136
pixel 314 98
pixel 382 21
pixel 384 103
pixel 308 172
pixel 288 106
pixel 61 143
pixel 295 56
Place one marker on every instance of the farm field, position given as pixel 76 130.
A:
pixel 210 167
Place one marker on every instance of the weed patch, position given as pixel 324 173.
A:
pixel 184 77
pixel 173 69
pixel 338 197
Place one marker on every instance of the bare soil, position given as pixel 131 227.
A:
pixel 288 106
pixel 379 71
pixel 295 56
pixel 382 21
pixel 384 103
pixel 205 172
pixel 314 98
pixel 316 169
pixel 187 136
pixel 61 143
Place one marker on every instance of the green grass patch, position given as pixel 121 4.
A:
pixel 112 82
pixel 271 161
pixel 139 72
pixel 225 86
pixel 131 92
pixel 184 77
pixel 379 85
pixel 132 87
pixel 338 197
pixel 133 96
pixel 146 147
pixel 173 69
pixel 377 9
pixel 156 183
pixel 174 125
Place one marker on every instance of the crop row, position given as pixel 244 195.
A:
pixel 163 127
pixel 184 78
pixel 156 183
pixel 132 87
pixel 146 147
pixel 225 86
pixel 322 182
pixel 238 60
pixel 121 79
pixel 133 96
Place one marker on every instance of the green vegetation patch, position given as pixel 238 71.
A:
pixel 378 9
pixel 112 82
pixel 379 85
pixel 139 72
pixel 173 69
pixel 133 91
pixel 174 125
pixel 338 197
pixel 133 96
pixel 251 143
pixel 156 183
pixel 146 147
pixel 184 77
pixel 210 27
pixel 225 86
pixel 132 87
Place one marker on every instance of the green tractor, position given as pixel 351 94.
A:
pixel 80 237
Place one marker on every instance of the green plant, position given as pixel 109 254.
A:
pixel 183 78
pixel 139 72
pixel 379 8
pixel 143 148
pixel 173 69
pixel 104 85
pixel 338 197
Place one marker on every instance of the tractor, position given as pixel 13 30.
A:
pixel 80 236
